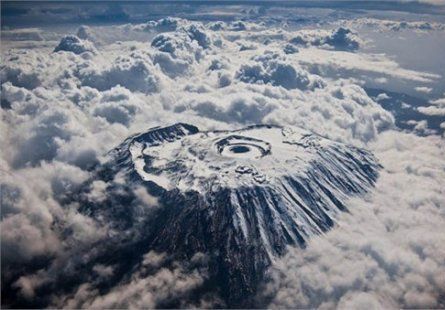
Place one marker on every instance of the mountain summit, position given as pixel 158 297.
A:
pixel 238 196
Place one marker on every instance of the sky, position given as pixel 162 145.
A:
pixel 21 13
pixel 78 78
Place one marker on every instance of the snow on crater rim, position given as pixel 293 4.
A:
pixel 258 155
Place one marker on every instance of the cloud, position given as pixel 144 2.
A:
pixel 115 112
pixel 273 69
pixel 290 49
pixel 339 39
pixel 51 129
pixel 25 34
pixel 433 2
pixel 395 25
pixel 26 225
pixel 347 64
pixel 240 110
pixel 378 256
pixel 423 89
pixel 85 33
pixel 75 45
pixel 180 49
pixel 432 110
pixel 162 25
pixel 19 74
pixel 143 290
pixel 198 33
pixel 135 72
pixel 62 112
pixel 437 107
pixel 30 209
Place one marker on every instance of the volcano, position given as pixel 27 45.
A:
pixel 241 197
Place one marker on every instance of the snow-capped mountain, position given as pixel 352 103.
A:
pixel 238 196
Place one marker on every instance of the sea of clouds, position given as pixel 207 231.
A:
pixel 67 99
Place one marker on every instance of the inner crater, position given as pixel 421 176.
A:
pixel 239 149
pixel 242 147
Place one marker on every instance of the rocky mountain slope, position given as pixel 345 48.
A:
pixel 240 197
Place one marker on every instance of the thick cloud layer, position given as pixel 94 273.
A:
pixel 387 252
pixel 393 25
pixel 67 102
